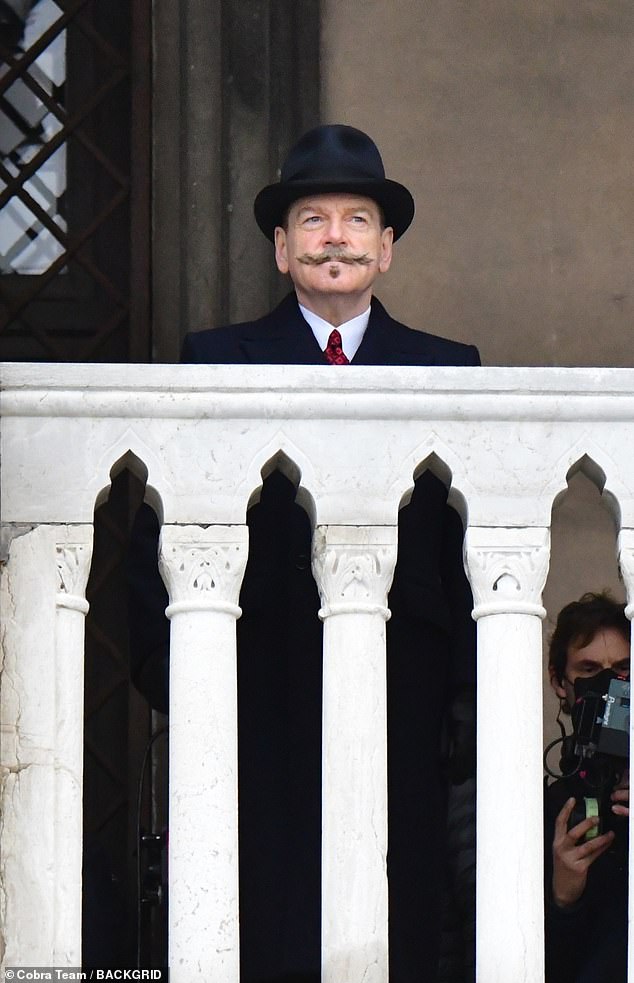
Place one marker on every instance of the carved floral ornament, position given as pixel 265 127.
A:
pixel 508 574
pixel 353 579
pixel 72 561
pixel 625 552
pixel 203 576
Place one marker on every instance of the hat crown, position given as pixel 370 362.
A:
pixel 333 159
pixel 333 153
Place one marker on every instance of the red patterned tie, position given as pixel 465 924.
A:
pixel 334 352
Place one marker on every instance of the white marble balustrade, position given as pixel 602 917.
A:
pixel 504 438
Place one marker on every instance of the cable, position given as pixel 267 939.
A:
pixel 559 774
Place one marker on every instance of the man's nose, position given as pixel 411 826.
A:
pixel 335 231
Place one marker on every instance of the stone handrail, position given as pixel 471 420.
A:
pixel 504 439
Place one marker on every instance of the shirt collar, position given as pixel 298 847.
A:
pixel 351 331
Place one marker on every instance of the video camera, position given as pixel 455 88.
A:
pixel 601 716
pixel 599 748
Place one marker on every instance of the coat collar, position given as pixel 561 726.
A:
pixel 284 337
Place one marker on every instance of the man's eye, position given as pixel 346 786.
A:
pixel 312 219
pixel 359 219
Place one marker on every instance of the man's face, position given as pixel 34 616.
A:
pixel 607 650
pixel 333 245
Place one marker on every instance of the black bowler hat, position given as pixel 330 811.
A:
pixel 329 159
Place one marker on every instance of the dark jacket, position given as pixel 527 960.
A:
pixel 431 652
pixel 283 337
pixel 587 942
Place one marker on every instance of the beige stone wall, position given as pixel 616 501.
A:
pixel 512 124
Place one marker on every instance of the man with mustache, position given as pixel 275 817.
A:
pixel 333 218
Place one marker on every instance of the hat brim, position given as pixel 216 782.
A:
pixel 395 201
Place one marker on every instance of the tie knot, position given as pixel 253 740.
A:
pixel 333 351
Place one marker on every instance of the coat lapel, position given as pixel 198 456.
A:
pixel 388 342
pixel 282 337
pixel 378 346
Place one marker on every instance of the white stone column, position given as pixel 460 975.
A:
pixel 353 567
pixel 73 551
pixel 625 552
pixel 507 569
pixel 203 570
pixel 42 588
pixel 28 585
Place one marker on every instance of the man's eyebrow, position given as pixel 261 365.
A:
pixel 307 208
pixel 352 210
pixel 587 662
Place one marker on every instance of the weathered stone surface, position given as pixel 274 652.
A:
pixel 506 439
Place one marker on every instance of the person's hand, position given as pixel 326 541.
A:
pixel 573 856
pixel 621 795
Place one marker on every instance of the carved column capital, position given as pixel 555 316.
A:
pixel 203 567
pixel 73 553
pixel 353 567
pixel 625 553
pixel 507 569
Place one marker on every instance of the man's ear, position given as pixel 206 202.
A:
pixel 558 687
pixel 281 249
pixel 385 258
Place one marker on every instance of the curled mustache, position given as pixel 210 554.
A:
pixel 337 253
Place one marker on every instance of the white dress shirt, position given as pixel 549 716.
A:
pixel 351 332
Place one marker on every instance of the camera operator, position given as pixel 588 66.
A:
pixel 586 810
